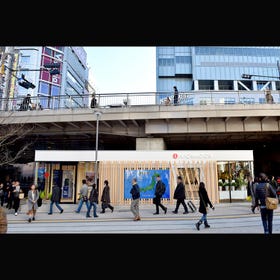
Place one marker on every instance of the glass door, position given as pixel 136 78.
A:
pixel 68 182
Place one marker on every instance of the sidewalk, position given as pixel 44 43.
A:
pixel 123 212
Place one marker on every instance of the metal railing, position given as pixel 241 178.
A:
pixel 110 100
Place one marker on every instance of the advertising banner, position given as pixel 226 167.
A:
pixel 146 180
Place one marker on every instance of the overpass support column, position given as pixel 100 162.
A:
pixel 150 144
pixel 216 85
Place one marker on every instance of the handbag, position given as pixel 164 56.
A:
pixel 271 203
pixel 39 202
pixel 104 205
pixel 21 195
pixel 249 198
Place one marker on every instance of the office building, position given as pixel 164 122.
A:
pixel 216 68
pixel 68 84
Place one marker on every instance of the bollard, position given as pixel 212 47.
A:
pixel 3 221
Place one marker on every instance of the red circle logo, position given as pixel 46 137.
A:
pixel 175 156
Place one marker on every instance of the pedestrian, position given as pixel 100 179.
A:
pixel 176 95
pixel 204 201
pixel 2 194
pixel 252 186
pixel 93 102
pixel 55 199
pixel 180 195
pixel 250 192
pixel 10 194
pixel 273 182
pixel 32 198
pixel 135 194
pixel 159 192
pixel 16 198
pixel 263 190
pixel 105 197
pixel 26 103
pixel 83 196
pixel 269 97
pixel 93 201
pixel 167 101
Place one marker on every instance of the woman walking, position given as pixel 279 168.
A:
pixel 263 190
pixel 32 198
pixel 16 192
pixel 204 201
pixel 105 198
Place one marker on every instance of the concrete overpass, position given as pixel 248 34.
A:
pixel 213 126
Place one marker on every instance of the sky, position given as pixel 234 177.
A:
pixel 122 69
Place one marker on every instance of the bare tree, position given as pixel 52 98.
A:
pixel 10 137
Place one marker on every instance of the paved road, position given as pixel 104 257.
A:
pixel 166 225
pixel 225 219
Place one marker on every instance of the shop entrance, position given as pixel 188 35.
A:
pixel 64 175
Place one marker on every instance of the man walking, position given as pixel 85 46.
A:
pixel 135 193
pixel 180 195
pixel 55 199
pixel 159 192
pixel 83 196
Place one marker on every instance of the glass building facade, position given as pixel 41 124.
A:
pixel 63 90
pixel 216 68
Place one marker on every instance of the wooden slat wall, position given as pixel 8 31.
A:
pixel 113 171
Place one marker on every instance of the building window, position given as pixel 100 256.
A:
pixel 25 59
pixel 74 81
pixel 206 84
pixel 237 51
pixel 47 51
pixel 183 59
pixel 55 90
pixel 277 85
pixel 44 88
pixel 166 61
pixel 261 84
pixel 248 84
pixel 225 85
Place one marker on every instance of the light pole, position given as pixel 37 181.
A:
pixel 249 76
pixel 98 115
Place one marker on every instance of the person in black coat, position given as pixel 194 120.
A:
pixel 263 190
pixel 159 192
pixel 180 195
pixel 204 201
pixel 55 199
pixel 93 200
pixel 176 95
pixel 105 198
pixel 93 102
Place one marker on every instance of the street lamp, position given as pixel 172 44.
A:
pixel 249 76
pixel 98 115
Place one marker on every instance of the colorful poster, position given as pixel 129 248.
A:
pixel 146 180
pixel 41 178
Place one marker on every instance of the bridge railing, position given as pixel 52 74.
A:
pixel 191 98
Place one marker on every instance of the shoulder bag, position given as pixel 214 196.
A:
pixel 270 202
